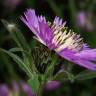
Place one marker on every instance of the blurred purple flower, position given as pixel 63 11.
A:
pixel 83 21
pixel 57 37
pixel 51 85
pixel 15 87
pixel 4 91
pixel 12 4
pixel 26 89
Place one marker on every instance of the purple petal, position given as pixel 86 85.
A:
pixel 46 33
pixel 71 56
pixel 87 64
pixel 41 19
pixel 89 54
pixel 31 20
pixel 85 47
pixel 58 21
pixel 39 27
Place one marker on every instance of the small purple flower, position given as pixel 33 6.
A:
pixel 57 37
pixel 15 87
pixel 4 91
pixel 26 89
pixel 11 3
pixel 83 21
pixel 51 85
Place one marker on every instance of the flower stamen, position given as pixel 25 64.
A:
pixel 66 39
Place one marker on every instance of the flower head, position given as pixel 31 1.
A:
pixel 57 37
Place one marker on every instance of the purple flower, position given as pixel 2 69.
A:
pixel 83 21
pixel 57 37
pixel 15 87
pixel 51 85
pixel 4 91
pixel 26 89
pixel 12 4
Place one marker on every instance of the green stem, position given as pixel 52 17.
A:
pixel 40 91
pixel 69 67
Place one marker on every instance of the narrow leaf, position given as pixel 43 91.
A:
pixel 34 83
pixel 86 75
pixel 15 49
pixel 50 69
pixel 16 35
pixel 64 76
pixel 18 60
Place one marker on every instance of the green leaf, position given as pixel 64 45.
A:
pixel 86 75
pixel 27 58
pixel 15 49
pixel 34 83
pixel 64 76
pixel 19 61
pixel 61 76
pixel 21 42
pixel 6 61
pixel 50 69
pixel 16 35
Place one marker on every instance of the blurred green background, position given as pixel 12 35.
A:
pixel 80 16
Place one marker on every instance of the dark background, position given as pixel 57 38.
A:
pixel 68 10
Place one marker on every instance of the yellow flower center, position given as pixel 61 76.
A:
pixel 66 39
